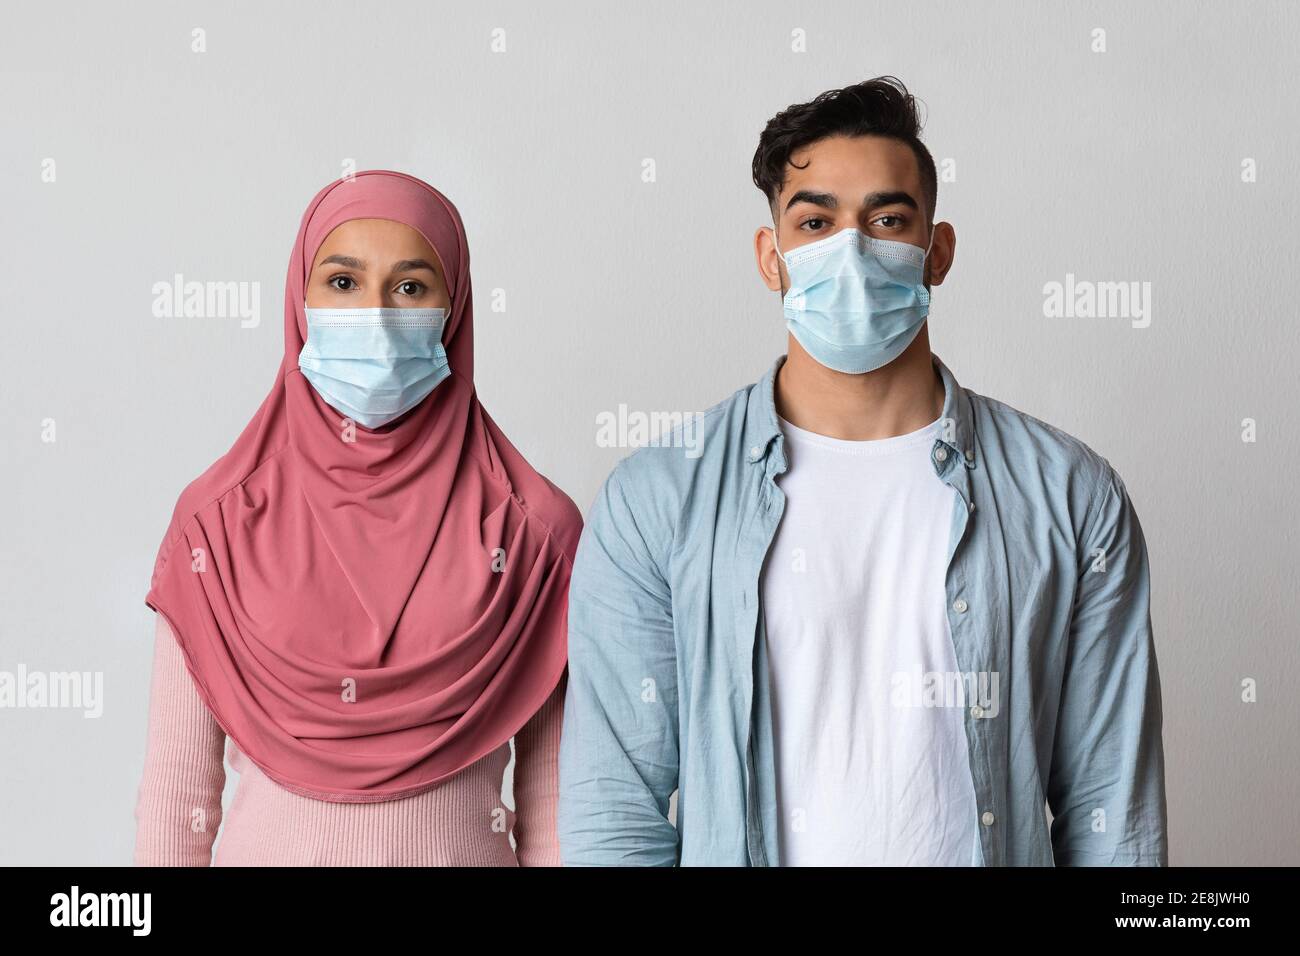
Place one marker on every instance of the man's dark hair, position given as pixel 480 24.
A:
pixel 879 107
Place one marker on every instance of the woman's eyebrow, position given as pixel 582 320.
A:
pixel 350 262
pixel 408 265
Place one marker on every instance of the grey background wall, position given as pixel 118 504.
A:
pixel 1122 165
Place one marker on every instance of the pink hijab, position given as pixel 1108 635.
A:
pixel 366 619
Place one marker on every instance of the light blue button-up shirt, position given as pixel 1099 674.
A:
pixel 1047 602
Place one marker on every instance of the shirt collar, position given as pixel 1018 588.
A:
pixel 956 434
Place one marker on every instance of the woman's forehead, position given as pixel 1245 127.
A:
pixel 375 234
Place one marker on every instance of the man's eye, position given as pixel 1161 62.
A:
pixel 343 283
pixel 889 221
pixel 812 225
pixel 410 287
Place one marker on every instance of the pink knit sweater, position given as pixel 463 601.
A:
pixel 461 822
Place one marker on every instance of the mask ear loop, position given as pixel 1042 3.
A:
pixel 779 254
pixel 928 247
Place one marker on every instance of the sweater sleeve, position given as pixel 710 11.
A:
pixel 537 783
pixel 178 806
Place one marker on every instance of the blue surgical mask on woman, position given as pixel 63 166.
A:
pixel 373 365
pixel 855 302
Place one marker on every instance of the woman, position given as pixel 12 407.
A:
pixel 368 590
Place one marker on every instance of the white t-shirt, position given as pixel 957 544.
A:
pixel 856 618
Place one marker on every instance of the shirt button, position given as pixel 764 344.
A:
pixel 972 504
pixel 987 819
pixel 755 452
pixel 977 711
pixel 970 454
pixel 960 605
pixel 941 454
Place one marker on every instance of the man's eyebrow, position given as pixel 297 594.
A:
pixel 825 200
pixel 898 197
pixel 350 262
pixel 409 265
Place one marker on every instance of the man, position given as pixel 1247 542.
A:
pixel 877 619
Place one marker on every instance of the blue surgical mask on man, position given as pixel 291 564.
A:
pixel 374 365
pixel 855 302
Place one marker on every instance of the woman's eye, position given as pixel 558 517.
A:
pixel 343 283
pixel 410 287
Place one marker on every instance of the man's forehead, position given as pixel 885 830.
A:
pixel 852 166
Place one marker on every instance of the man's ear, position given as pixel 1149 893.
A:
pixel 770 268
pixel 942 252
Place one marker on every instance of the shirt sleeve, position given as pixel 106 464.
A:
pixel 537 783
pixel 1107 785
pixel 619 751
pixel 178 805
